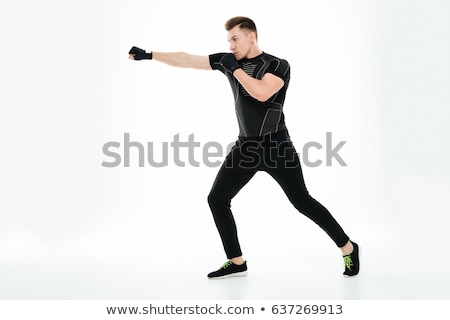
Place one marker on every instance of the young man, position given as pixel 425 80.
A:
pixel 259 82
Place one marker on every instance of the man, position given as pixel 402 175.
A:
pixel 259 82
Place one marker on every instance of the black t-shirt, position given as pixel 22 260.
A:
pixel 257 118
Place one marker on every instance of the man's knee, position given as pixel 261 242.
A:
pixel 211 199
pixel 216 199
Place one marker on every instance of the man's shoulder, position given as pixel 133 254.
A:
pixel 271 57
pixel 214 60
pixel 277 66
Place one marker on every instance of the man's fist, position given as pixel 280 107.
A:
pixel 139 54
pixel 229 62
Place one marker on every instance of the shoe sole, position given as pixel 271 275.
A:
pixel 236 274
pixel 359 256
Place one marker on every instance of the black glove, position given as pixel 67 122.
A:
pixel 229 62
pixel 140 54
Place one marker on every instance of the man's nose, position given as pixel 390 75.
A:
pixel 232 46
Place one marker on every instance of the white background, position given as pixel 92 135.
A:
pixel 374 73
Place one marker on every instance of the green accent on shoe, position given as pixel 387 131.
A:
pixel 227 264
pixel 348 261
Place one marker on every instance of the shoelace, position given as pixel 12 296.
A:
pixel 348 262
pixel 227 264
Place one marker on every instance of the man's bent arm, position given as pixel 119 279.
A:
pixel 183 60
pixel 262 89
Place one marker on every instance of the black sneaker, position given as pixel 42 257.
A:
pixel 229 269
pixel 351 262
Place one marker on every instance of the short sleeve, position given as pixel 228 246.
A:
pixel 280 68
pixel 214 61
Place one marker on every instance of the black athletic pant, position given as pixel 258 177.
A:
pixel 275 154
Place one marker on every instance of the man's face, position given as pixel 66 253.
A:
pixel 240 42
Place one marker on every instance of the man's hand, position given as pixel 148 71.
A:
pixel 229 62
pixel 139 54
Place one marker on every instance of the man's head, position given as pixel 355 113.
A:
pixel 243 36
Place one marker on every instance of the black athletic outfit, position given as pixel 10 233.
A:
pixel 263 145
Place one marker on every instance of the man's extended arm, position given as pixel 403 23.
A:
pixel 183 60
pixel 175 59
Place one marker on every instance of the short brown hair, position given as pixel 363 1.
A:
pixel 243 23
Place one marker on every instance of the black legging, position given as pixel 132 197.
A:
pixel 275 154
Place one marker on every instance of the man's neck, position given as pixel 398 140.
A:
pixel 254 53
